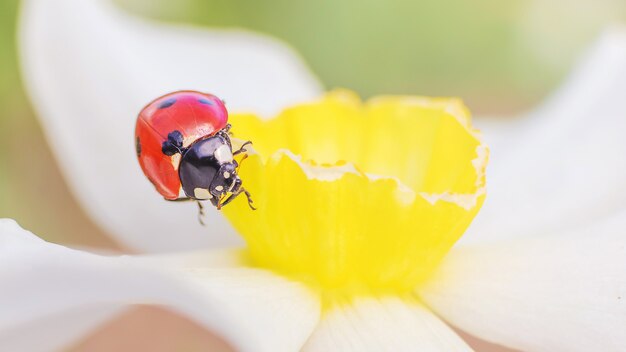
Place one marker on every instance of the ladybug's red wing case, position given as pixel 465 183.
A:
pixel 158 167
pixel 194 115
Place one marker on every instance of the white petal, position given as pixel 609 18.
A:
pixel 387 324
pixel 89 69
pixel 556 293
pixel 566 159
pixel 44 284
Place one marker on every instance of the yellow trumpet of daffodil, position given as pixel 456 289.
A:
pixel 359 198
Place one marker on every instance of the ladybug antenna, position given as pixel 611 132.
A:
pixel 173 144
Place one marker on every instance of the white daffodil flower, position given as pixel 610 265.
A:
pixel 351 256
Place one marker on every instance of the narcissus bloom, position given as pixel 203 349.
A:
pixel 358 203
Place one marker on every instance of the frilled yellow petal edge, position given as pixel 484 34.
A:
pixel 359 198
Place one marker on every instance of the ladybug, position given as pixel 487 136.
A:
pixel 183 145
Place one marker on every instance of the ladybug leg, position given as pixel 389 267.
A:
pixel 234 195
pixel 200 207
pixel 227 200
pixel 242 148
pixel 220 204
pixel 250 201
pixel 201 213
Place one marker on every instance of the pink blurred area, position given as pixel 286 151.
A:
pixel 155 329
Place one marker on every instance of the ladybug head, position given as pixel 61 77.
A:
pixel 173 144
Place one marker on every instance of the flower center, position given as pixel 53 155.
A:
pixel 359 198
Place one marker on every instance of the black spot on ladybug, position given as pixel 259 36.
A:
pixel 205 101
pixel 173 144
pixel 167 103
pixel 138 146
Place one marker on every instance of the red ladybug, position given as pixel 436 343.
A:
pixel 182 142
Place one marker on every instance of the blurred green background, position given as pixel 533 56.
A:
pixel 501 57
